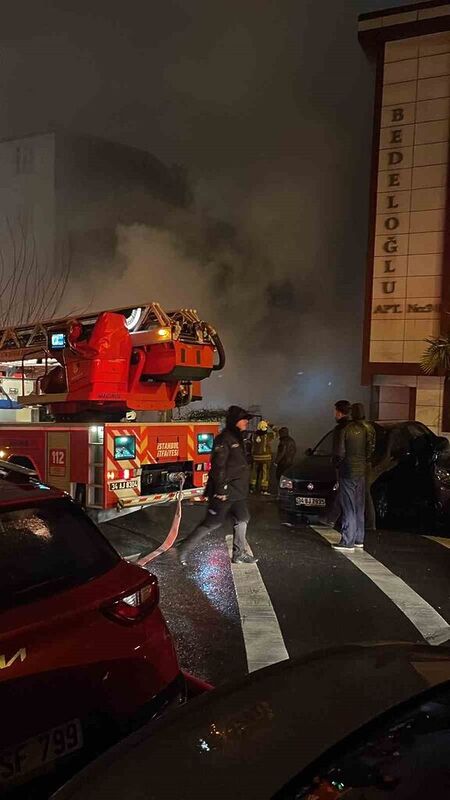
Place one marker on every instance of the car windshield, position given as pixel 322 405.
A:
pixel 325 446
pixel 404 757
pixel 47 548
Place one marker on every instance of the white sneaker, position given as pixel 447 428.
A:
pixel 342 548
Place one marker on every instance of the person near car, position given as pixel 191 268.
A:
pixel 353 449
pixel 369 513
pixel 227 489
pixel 261 458
pixel 285 453
pixel 342 412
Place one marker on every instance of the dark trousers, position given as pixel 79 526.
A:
pixel 334 512
pixel 352 498
pixel 218 511
pixel 371 516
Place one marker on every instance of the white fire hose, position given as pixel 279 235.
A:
pixel 180 478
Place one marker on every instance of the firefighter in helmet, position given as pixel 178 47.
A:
pixel 261 458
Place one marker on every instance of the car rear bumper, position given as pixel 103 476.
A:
pixel 195 686
pixel 101 731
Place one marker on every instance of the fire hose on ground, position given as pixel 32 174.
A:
pixel 171 537
pixel 194 686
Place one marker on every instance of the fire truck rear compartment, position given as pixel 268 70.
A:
pixel 156 478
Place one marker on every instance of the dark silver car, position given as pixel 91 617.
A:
pixel 357 722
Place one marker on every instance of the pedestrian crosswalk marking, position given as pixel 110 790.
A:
pixel 440 539
pixel 264 643
pixel 434 628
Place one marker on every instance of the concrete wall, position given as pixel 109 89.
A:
pixel 394 399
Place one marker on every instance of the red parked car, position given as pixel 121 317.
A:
pixel 85 652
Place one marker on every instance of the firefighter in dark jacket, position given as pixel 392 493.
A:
pixel 285 453
pixel 227 489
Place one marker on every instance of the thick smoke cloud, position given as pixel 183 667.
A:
pixel 269 107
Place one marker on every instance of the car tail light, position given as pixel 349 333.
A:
pixel 134 606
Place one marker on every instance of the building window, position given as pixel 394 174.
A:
pixel 24 160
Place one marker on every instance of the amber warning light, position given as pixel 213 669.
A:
pixel 164 333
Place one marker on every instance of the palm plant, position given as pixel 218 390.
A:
pixel 436 358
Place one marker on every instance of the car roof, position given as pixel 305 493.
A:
pixel 251 738
pixel 19 485
pixel 404 424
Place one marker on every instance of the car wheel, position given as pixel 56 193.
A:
pixel 381 503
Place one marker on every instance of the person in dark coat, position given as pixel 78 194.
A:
pixel 370 514
pixel 227 489
pixel 286 452
pixel 353 449
pixel 342 411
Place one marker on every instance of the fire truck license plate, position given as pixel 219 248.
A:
pixel 133 483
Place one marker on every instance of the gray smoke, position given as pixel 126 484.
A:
pixel 269 107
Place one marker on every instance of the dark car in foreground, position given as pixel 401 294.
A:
pixel 412 486
pixel 355 722
pixel 85 653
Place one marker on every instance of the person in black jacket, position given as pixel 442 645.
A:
pixel 286 452
pixel 352 453
pixel 227 489
pixel 342 411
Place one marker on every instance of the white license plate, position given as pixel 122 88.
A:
pixel 310 501
pixel 133 483
pixel 35 753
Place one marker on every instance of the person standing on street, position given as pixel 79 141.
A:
pixel 353 448
pixel 227 489
pixel 286 452
pixel 261 458
pixel 342 411
pixel 369 514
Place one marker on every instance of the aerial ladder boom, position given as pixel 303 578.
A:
pixel 104 364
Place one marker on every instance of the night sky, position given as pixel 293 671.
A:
pixel 268 106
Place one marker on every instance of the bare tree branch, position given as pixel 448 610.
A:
pixel 30 291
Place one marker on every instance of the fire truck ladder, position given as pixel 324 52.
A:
pixel 22 343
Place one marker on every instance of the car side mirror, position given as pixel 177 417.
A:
pixel 309 451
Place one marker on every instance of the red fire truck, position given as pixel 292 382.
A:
pixel 89 373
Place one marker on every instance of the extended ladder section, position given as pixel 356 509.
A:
pixel 100 365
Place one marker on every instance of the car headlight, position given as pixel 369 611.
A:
pixel 286 483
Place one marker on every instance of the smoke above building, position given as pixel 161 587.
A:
pixel 268 105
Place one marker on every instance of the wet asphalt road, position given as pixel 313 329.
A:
pixel 320 598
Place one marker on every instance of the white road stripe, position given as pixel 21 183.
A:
pixel 264 643
pixel 434 628
pixel 440 539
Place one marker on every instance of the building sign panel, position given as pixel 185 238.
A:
pixel 411 198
